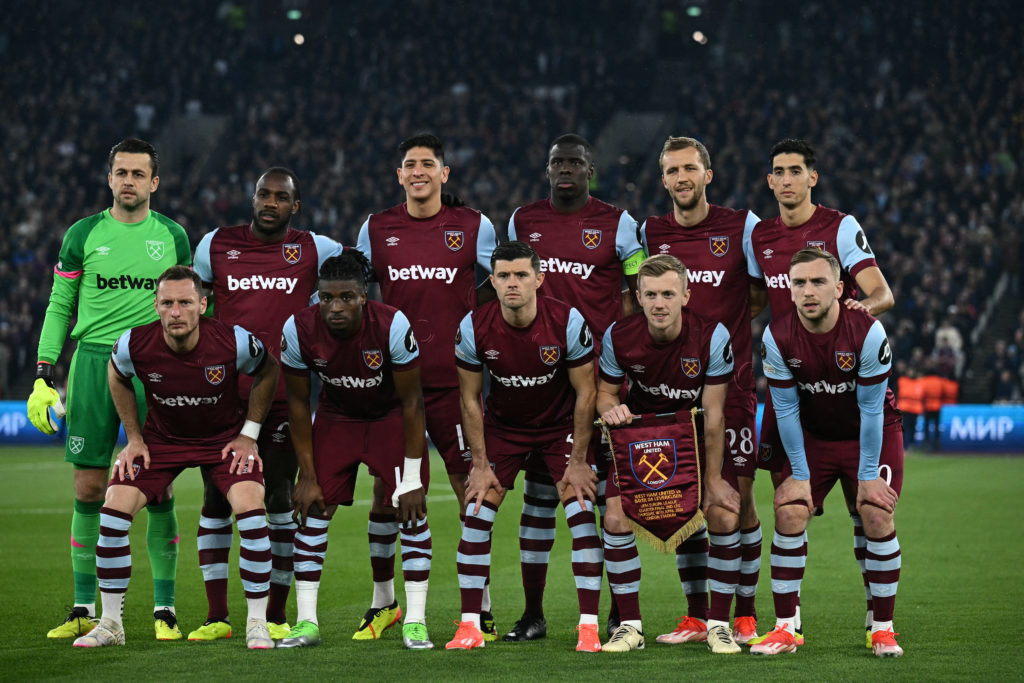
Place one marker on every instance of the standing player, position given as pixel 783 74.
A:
pixel 673 358
pixel 425 253
pixel 258 275
pixel 586 247
pixel 189 366
pixel 715 243
pixel 370 411
pixel 803 224
pixel 105 276
pixel 837 422
pixel 539 354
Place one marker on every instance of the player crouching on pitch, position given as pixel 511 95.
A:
pixel 370 411
pixel 189 367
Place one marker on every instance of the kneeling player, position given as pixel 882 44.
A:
pixel 189 366
pixel 370 411
pixel 827 367
pixel 672 357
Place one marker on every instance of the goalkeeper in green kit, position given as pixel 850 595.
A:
pixel 106 274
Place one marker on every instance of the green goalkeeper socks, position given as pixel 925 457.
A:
pixel 162 544
pixel 85 531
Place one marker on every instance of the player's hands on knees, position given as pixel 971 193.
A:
pixel 124 463
pixel 244 455
pixel 878 493
pixel 619 415
pixel 793 491
pixel 412 508
pixel 307 493
pixel 481 480
pixel 582 479
pixel 717 491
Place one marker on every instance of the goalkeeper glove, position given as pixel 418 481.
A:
pixel 44 396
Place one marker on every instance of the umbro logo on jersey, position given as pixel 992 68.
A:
pixel 234 254
pixel 155 377
pixel 739 460
pixel 491 354
pixel 392 241
pixel 292 253
pixel 768 253
pixel 155 249
pixel 637 368
pixel 103 251
pixel 534 236
pixel 664 248
pixel 320 362
pixel 794 362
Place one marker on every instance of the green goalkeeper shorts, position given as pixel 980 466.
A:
pixel 92 420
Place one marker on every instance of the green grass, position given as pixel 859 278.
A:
pixel 959 526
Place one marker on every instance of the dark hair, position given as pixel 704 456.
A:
pixel 351 264
pixel 134 146
pixel 510 251
pixel 793 146
pixel 180 273
pixel 810 254
pixel 281 170
pixel 574 139
pixel 428 140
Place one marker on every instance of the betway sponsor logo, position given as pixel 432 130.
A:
pixel 125 282
pixel 178 401
pixel 557 265
pixel 822 387
pixel 353 382
pixel 422 273
pixel 670 392
pixel 780 281
pixel 520 381
pixel 257 282
pixel 712 277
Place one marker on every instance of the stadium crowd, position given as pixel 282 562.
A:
pixel 922 141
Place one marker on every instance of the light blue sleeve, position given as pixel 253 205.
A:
pixel 753 267
pixel 402 342
pixel 609 365
pixel 121 357
pixel 325 248
pixel 512 225
pixel 578 340
pixel 465 341
pixel 291 352
pixel 748 244
pixel 787 407
pixel 201 261
pixel 363 241
pixel 486 240
pixel 875 360
pixel 852 243
pixel 721 361
pixel 249 351
pixel 626 243
pixel 643 238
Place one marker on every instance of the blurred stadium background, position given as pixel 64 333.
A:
pixel 915 107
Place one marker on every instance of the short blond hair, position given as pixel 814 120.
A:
pixel 659 264
pixel 677 143
pixel 810 254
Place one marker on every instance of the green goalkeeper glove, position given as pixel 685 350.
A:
pixel 44 396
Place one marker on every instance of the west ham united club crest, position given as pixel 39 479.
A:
pixel 591 238
pixel 215 374
pixel 155 249
pixel 816 244
pixel 653 462
pixel 550 354
pixel 291 252
pixel 846 360
pixel 719 245
pixel 691 366
pixel 454 239
pixel 373 358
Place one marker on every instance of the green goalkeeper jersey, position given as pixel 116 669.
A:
pixel 109 269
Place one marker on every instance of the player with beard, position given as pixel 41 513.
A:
pixel 105 277
pixel 714 243
pixel 189 366
pixel 801 224
pixel 587 247
pixel 426 253
pixel 258 274
pixel 827 366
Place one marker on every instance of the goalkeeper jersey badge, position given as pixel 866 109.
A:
pixel 155 249
pixel 76 444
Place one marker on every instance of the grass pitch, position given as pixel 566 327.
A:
pixel 958 522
